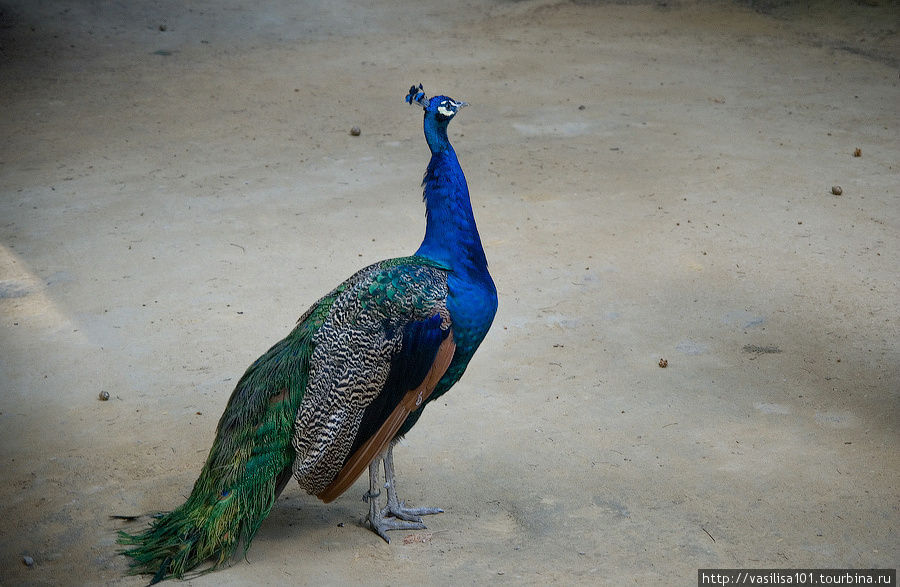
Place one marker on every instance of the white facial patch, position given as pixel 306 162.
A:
pixel 445 111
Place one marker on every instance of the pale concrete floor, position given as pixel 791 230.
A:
pixel 650 182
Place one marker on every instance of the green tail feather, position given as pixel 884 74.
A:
pixel 250 459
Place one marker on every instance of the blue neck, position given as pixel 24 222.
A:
pixel 450 233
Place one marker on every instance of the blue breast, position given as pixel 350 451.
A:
pixel 472 304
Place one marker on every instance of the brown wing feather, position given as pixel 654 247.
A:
pixel 379 441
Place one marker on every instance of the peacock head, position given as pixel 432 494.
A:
pixel 441 107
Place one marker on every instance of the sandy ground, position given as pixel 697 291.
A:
pixel 651 181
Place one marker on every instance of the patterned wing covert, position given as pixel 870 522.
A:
pixel 352 358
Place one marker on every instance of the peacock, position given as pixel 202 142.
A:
pixel 336 394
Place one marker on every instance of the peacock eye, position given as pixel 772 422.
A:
pixel 446 109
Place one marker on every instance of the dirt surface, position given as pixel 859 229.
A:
pixel 652 181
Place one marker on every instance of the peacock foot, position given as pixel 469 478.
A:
pixel 395 515
pixel 382 524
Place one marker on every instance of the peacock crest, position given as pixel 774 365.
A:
pixel 417 95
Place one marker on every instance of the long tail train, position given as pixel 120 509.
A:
pixel 247 467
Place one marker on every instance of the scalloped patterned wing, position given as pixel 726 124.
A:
pixel 352 358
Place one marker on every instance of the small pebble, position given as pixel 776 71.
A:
pixel 103 396
pixel 663 363
pixel 857 152
pixel 582 107
pixel 28 561
pixel 355 131
pixel 836 190
pixel 163 27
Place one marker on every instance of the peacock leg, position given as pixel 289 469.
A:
pixel 394 516
pixel 395 507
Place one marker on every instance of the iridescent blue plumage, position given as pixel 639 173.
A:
pixel 332 398
pixel 451 238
